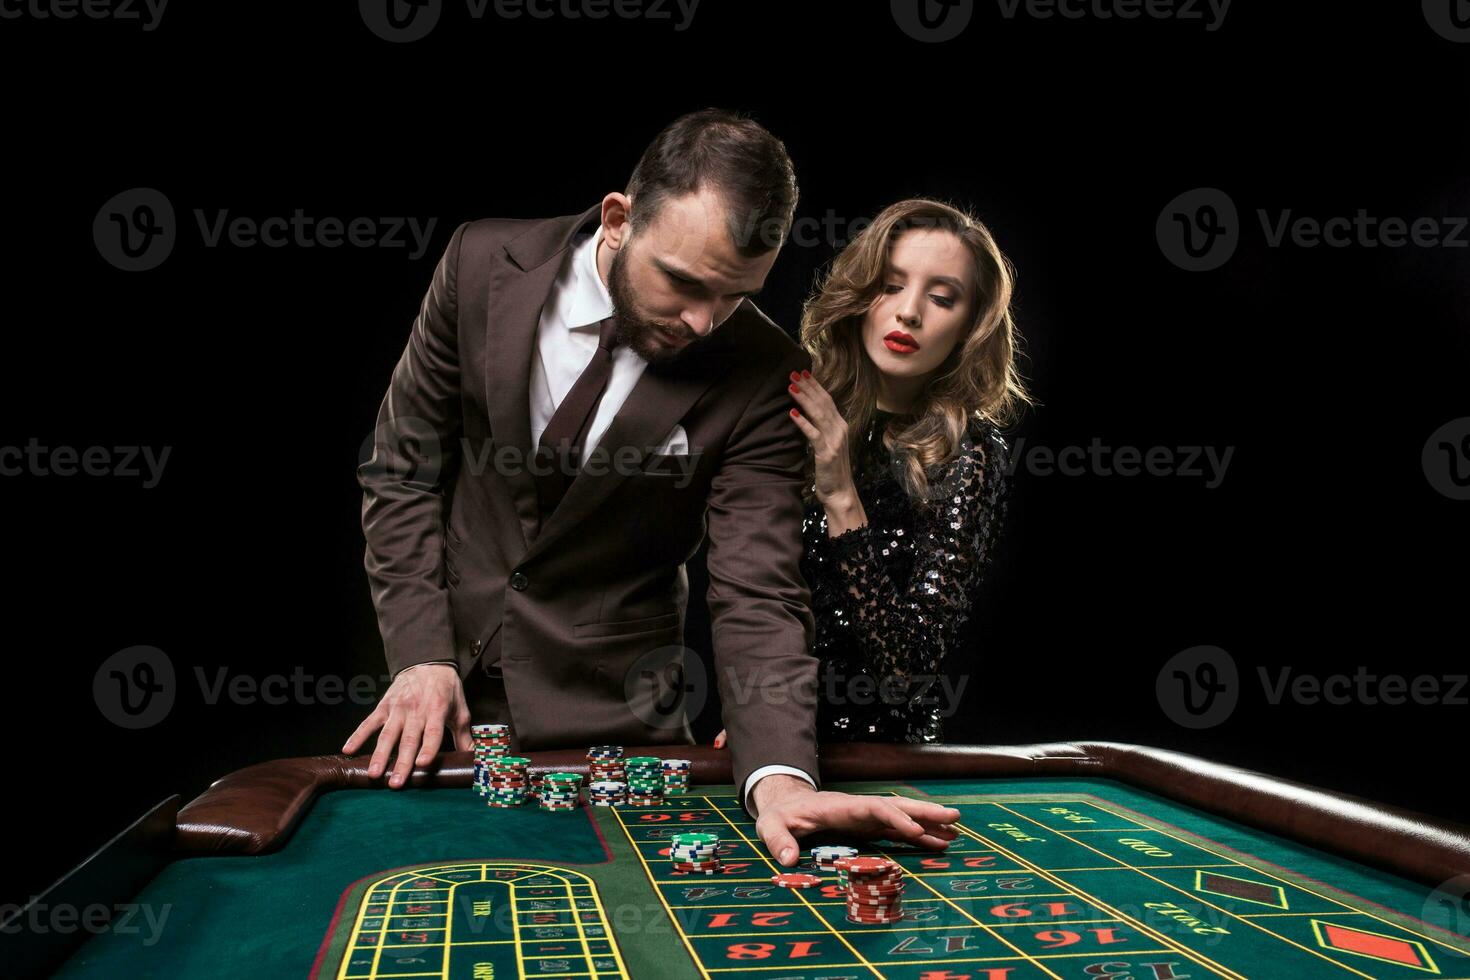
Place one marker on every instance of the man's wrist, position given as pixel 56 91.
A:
pixel 428 663
pixel 777 786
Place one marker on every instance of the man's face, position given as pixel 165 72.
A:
pixel 677 279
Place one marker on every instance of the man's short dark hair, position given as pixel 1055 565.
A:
pixel 734 156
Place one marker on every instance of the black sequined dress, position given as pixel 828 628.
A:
pixel 889 598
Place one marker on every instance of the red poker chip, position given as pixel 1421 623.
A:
pixel 795 879
pixel 866 865
pixel 868 915
pixel 881 903
pixel 893 886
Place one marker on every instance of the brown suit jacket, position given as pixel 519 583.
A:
pixel 462 568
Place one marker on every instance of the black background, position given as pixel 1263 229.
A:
pixel 1324 369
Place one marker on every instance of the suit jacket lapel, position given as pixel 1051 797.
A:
pixel 519 289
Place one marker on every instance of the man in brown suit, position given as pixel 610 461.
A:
pixel 583 399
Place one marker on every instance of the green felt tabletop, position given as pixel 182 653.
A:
pixel 1051 878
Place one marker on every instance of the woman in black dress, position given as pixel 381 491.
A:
pixel 914 352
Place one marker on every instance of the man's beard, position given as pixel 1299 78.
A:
pixel 641 334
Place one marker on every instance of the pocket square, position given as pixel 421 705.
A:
pixel 676 444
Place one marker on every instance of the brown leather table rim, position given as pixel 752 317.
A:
pixel 254 810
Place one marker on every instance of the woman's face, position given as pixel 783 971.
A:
pixel 926 306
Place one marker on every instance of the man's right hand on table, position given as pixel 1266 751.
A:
pixel 421 702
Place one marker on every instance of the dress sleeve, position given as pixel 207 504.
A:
pixel 906 627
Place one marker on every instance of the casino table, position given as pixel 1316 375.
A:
pixel 1080 860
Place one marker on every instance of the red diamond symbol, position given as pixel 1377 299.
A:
pixel 1388 948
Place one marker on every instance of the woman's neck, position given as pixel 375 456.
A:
pixel 899 395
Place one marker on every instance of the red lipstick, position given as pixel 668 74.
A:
pixel 900 342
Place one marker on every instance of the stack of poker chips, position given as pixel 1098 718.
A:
pixel 607 792
pixel 874 889
pixel 694 853
pixel 507 780
pixel 827 857
pixel 490 742
pixel 676 775
pixel 645 780
pixel 560 791
pixel 607 779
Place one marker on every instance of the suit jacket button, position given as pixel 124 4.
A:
pixel 518 581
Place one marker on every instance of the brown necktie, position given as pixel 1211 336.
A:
pixel 560 448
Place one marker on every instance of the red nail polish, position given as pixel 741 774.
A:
pixel 806 374
pixel 795 413
pixel 795 376
pixel 793 389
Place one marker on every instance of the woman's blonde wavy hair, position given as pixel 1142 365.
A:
pixel 979 378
